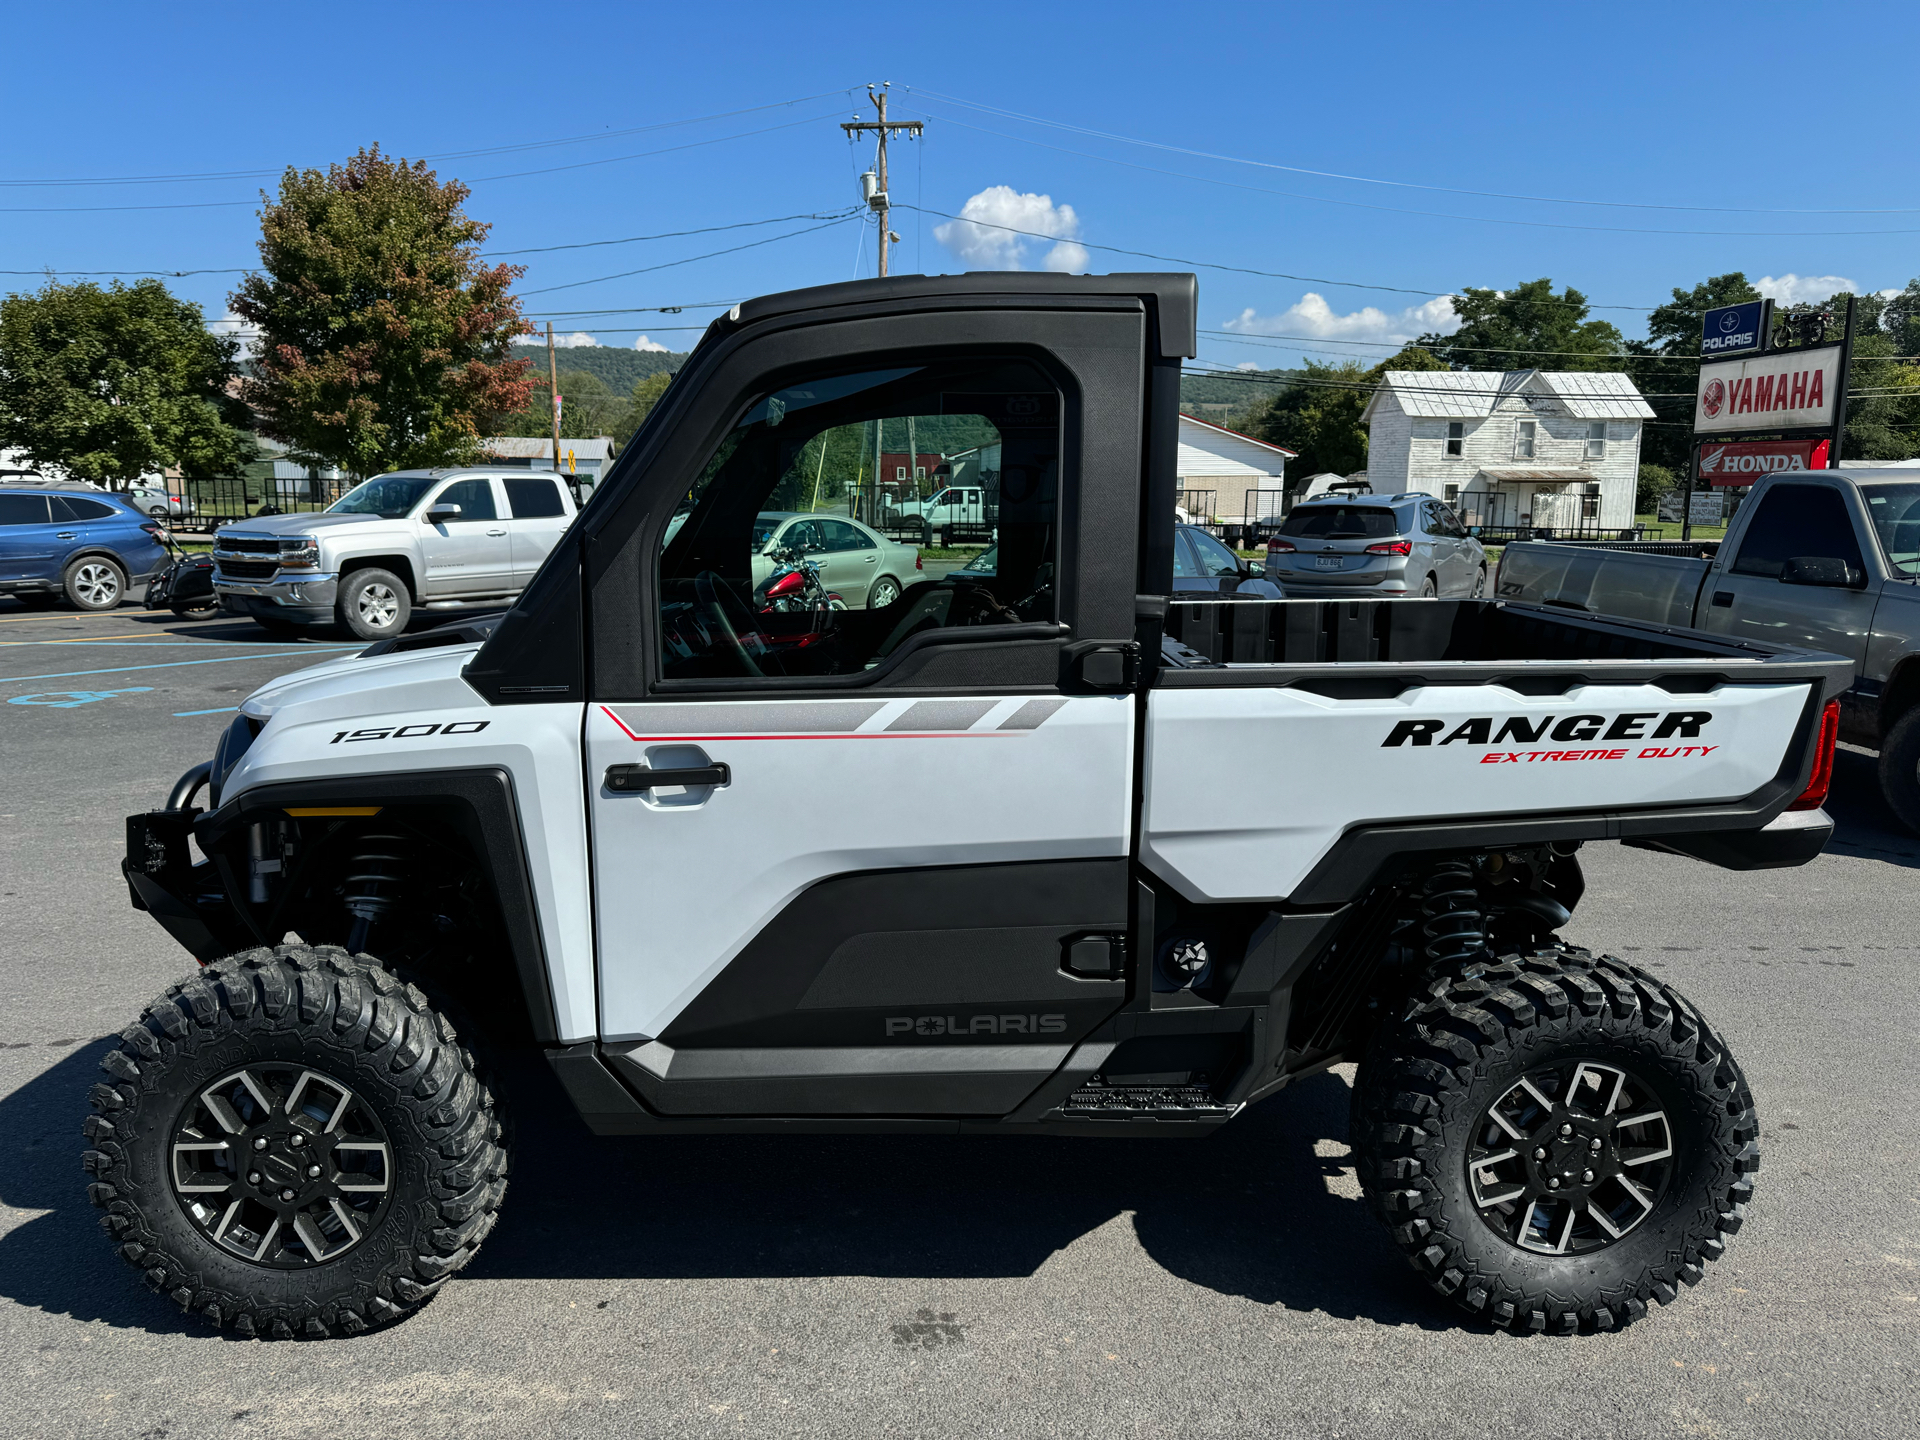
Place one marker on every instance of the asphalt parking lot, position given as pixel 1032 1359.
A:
pixel 902 1286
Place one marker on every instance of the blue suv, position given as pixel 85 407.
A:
pixel 87 545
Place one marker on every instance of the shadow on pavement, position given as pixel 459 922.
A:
pixel 1863 826
pixel 1246 1212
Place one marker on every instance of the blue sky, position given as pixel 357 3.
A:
pixel 1676 116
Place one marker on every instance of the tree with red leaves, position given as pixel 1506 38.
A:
pixel 383 339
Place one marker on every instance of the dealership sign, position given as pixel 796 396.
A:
pixel 1789 390
pixel 1732 329
pixel 1745 462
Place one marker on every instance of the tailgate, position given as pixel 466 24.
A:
pixel 1658 588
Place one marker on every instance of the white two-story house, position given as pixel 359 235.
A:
pixel 1553 448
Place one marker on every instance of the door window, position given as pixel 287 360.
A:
pixel 474 497
pixel 816 446
pixel 531 499
pixel 23 510
pixel 1895 509
pixel 1213 557
pixel 842 536
pixel 73 507
pixel 1797 520
pixel 1185 566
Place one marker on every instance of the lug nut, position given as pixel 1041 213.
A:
pixel 286 1195
pixel 313 1173
pixel 260 1143
pixel 253 1178
pixel 1587 1175
pixel 1540 1153
pixel 1567 1129
pixel 298 1139
pixel 1595 1144
pixel 1554 1183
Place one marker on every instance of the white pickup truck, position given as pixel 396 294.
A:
pixel 666 838
pixel 433 539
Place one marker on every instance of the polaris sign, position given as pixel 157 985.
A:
pixel 1733 329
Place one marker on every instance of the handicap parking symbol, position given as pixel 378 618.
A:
pixel 65 698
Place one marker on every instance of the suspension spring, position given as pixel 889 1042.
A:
pixel 372 886
pixel 1453 926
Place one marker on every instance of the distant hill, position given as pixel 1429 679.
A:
pixel 614 367
pixel 1214 395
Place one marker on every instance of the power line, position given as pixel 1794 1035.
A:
pixel 1403 210
pixel 1400 184
pixel 1444 344
pixel 664 235
pixel 443 155
pixel 689 260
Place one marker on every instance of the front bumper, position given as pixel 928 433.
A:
pixel 308 596
pixel 189 900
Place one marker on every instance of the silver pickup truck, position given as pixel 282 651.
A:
pixel 434 539
pixel 1821 559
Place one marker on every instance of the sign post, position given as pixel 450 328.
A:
pixel 1841 391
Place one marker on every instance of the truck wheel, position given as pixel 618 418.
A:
pixel 1898 766
pixel 373 605
pixel 95 583
pixel 1554 1139
pixel 292 1143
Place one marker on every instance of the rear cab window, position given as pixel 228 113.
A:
pixel 1795 521
pixel 534 498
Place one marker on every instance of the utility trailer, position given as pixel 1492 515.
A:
pixel 658 837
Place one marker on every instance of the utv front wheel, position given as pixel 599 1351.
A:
pixel 294 1143
pixel 1555 1140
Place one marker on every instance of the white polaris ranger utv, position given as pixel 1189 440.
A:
pixel 663 830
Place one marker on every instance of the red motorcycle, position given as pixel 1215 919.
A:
pixel 795 585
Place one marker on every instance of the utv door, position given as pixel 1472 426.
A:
pixel 844 860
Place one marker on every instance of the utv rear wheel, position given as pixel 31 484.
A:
pixel 294 1143
pixel 1555 1140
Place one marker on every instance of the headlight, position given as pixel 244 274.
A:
pixel 226 755
pixel 300 550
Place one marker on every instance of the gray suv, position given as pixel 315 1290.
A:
pixel 1348 545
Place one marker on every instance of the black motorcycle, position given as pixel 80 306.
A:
pixel 185 586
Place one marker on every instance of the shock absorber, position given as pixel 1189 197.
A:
pixel 373 883
pixel 1453 926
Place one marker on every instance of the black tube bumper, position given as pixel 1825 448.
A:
pixel 190 901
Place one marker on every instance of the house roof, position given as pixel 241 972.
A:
pixel 522 447
pixel 1195 420
pixel 1470 394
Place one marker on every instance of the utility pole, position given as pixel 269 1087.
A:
pixel 873 186
pixel 553 380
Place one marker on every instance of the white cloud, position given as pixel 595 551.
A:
pixel 989 234
pixel 1312 317
pixel 1249 365
pixel 1792 289
pixel 645 344
pixel 579 337
pixel 231 324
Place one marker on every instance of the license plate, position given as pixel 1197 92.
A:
pixel 1327 562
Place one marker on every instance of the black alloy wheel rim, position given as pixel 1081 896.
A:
pixel 1571 1158
pixel 281 1165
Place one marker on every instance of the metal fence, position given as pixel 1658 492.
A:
pixel 1508 534
pixel 217 499
pixel 1697 549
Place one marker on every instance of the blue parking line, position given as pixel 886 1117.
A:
pixel 142 641
pixel 177 664
pixel 217 710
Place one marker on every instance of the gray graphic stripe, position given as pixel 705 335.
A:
pixel 764 718
pixel 942 715
pixel 1031 715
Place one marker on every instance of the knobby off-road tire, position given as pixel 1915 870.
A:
pixel 1423 1107
pixel 310 1026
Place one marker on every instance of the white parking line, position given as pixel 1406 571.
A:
pixel 177 664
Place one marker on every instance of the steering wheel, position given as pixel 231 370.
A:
pixel 718 598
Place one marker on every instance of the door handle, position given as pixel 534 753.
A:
pixel 644 778
pixel 497 532
pixel 869 559
pixel 63 535
pixel 1723 598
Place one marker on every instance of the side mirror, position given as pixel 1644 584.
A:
pixel 1475 531
pixel 437 514
pixel 1820 570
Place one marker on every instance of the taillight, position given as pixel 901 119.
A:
pixel 1823 771
pixel 152 529
pixel 1275 547
pixel 1391 547
pixel 917 564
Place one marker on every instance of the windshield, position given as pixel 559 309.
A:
pixel 1341 522
pixel 387 496
pixel 1895 509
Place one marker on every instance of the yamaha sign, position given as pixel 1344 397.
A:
pixel 1788 390
pixel 1733 329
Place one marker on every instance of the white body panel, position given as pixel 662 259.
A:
pixel 821 788
pixel 1330 769
pixel 538 745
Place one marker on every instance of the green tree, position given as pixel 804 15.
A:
pixel 383 339
pixel 1882 408
pixel 1318 414
pixel 115 382
pixel 646 395
pixel 1653 482
pixel 1528 327
pixel 587 409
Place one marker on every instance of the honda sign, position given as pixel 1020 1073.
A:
pixel 1747 461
